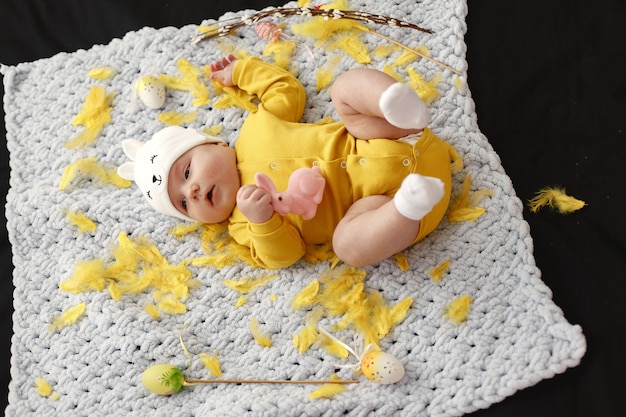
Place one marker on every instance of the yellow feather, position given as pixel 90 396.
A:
pixel 184 229
pixel 345 277
pixel 427 90
pixel 405 58
pixel 383 51
pixel 189 71
pixel 307 296
pixel 457 162
pixel 324 77
pixel 114 291
pixel 170 305
pixel 95 114
pixel 103 73
pixel 246 285
pixel 87 276
pixel 318 253
pixel 328 390
pixel 209 29
pixel 400 310
pixel 440 270
pixel 465 214
pixel 323 29
pixel 458 309
pixel 241 301
pixel 555 198
pixel 338 301
pixel 173 118
pixel 43 387
pixel 308 335
pixel 462 206
pixel 218 261
pixel 68 317
pixel 241 252
pixel 261 338
pixel 234 97
pixel 342 292
pixel 280 51
pixel 326 74
pixel 352 45
pixel 210 234
pixel 212 363
pixel 303 340
pixel 387 69
pixel 459 84
pixel 213 130
pixel 152 310
pixel 91 167
pixel 402 261
pixel 175 83
pixel 335 262
pixel 84 223
pixel 137 266
pixel 190 82
pixel 332 346
pixel 384 317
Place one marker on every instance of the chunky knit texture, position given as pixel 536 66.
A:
pixel 514 335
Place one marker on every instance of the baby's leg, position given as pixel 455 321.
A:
pixel 377 227
pixel 373 105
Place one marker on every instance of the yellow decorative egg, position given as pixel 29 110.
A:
pixel 382 367
pixel 163 379
pixel 151 92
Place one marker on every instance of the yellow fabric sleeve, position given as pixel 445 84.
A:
pixel 279 91
pixel 274 244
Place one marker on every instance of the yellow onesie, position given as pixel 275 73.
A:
pixel 273 141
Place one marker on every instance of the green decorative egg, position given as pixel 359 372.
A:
pixel 163 379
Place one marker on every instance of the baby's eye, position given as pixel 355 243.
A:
pixel 186 172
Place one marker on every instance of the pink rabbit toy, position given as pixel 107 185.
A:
pixel 304 192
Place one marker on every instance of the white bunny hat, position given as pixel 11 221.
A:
pixel 152 160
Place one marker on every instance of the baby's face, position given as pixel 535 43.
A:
pixel 203 182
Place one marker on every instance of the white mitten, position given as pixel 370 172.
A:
pixel 402 107
pixel 418 195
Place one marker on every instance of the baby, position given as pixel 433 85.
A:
pixel 383 191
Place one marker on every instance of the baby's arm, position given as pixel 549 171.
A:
pixel 274 244
pixel 280 91
pixel 273 241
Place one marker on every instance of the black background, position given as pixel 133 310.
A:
pixel 549 82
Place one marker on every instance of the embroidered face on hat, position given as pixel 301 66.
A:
pixel 152 160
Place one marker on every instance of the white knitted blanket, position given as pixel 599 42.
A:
pixel 514 335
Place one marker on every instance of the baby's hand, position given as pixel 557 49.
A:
pixel 254 203
pixel 222 70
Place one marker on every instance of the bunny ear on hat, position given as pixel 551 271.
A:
pixel 131 147
pixel 127 169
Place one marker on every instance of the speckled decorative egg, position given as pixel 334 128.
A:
pixel 382 367
pixel 151 92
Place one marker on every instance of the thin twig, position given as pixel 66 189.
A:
pixel 416 52
pixel 266 381
pixel 222 29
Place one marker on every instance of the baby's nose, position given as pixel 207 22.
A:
pixel 192 191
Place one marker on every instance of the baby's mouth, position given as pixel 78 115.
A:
pixel 209 196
